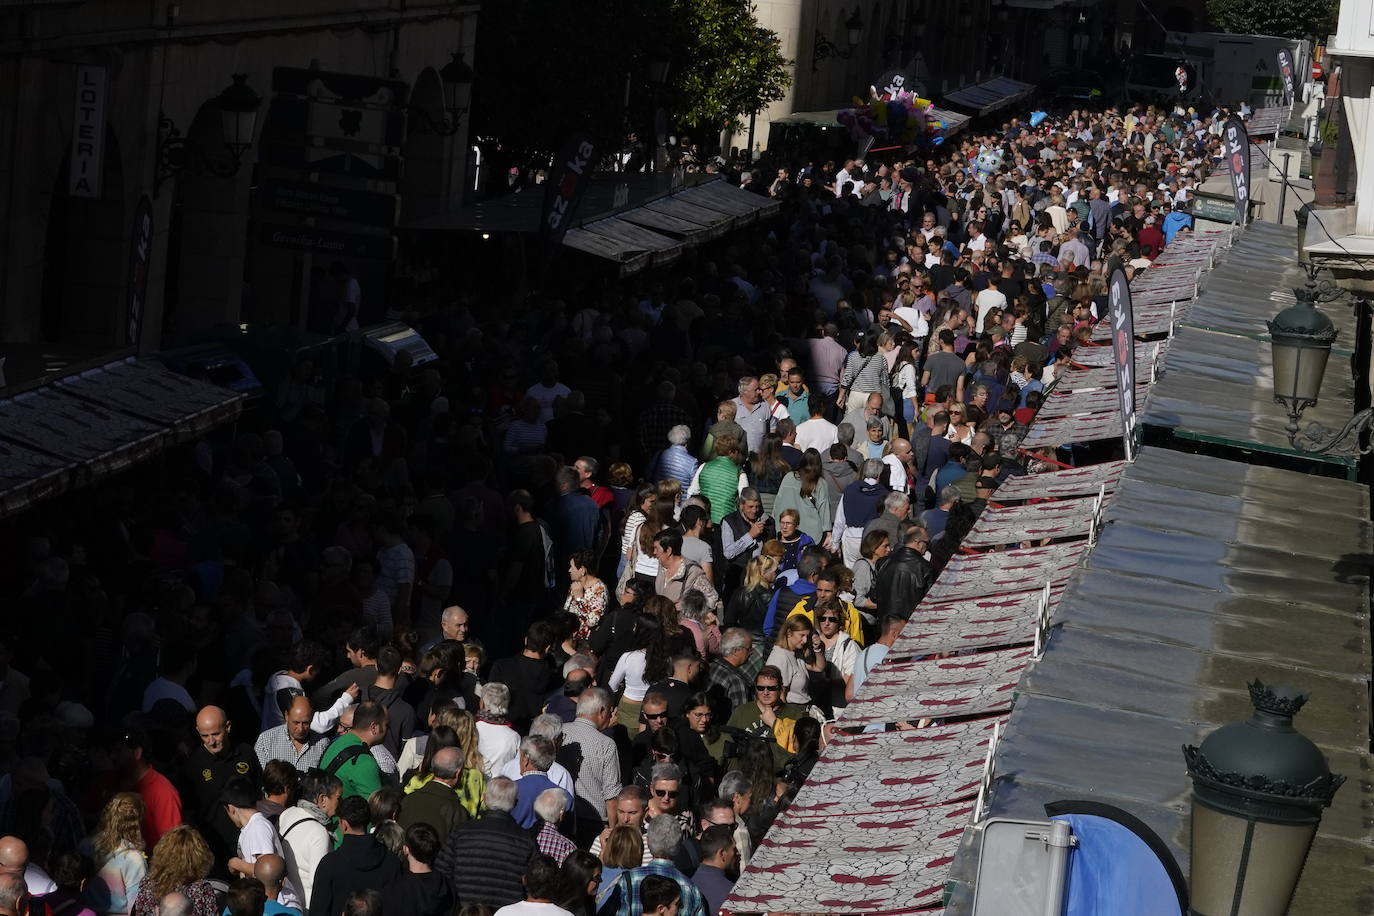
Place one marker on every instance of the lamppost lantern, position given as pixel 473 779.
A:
pixel 238 111
pixel 854 29
pixel 457 77
pixel 1259 789
pixel 1301 337
pixel 660 63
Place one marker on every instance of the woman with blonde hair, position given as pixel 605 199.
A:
pixel 622 851
pixel 748 606
pixel 121 865
pixel 472 782
pixel 180 862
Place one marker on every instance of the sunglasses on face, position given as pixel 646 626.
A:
pixel 656 715
pixel 666 793
pixel 830 620
pixel 766 688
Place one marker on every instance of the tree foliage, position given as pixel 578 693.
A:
pixel 731 64
pixel 1283 18
pixel 547 68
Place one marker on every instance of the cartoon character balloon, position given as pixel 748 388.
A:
pixel 988 163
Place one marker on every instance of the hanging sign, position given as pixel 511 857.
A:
pixel 1123 354
pixel 88 133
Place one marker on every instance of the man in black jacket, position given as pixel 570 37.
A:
pixel 360 862
pixel 207 771
pixel 484 860
pixel 905 576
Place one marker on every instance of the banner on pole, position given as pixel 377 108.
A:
pixel 1286 74
pixel 1123 354
pixel 568 182
pixel 1237 140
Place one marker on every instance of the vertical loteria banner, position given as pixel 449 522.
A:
pixel 1237 152
pixel 568 182
pixel 1123 354
pixel 1286 74
pixel 88 133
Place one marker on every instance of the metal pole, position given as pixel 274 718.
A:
pixel 1283 186
pixel 749 159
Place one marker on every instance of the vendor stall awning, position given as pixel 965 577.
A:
pixel 954 121
pixel 87 426
pixel 990 95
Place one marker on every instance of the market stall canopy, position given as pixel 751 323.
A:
pixel 1207 573
pixel 1216 382
pixel 87 426
pixel 954 121
pixel 990 95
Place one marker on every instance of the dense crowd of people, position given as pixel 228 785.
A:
pixel 559 623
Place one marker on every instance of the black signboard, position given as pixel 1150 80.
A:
pixel 1123 354
pixel 374 167
pixel 140 260
pixel 1237 151
pixel 330 243
pixel 1286 74
pixel 309 199
pixel 892 82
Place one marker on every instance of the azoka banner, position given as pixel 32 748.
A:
pixel 1286 73
pixel 1237 140
pixel 1123 354
pixel 572 173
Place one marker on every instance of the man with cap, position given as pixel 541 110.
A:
pixel 293 741
pixel 256 835
pixel 207 771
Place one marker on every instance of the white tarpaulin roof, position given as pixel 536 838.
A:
pixel 1000 525
pixel 1083 481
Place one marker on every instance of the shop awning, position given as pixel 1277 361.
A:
pixel 989 95
pixel 87 426
pixel 954 121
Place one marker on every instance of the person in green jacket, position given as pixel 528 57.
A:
pixel 719 479
pixel 357 769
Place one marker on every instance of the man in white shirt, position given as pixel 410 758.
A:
pixel 817 432
pixel 976 240
pixel 543 885
pixel 989 299
pixel 547 390
pixel 257 836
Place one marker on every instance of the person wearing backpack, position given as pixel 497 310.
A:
pixel 349 756
pixel 306 828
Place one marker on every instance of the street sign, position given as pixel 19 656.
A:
pixel 305 198
pixel 1217 209
pixel 330 243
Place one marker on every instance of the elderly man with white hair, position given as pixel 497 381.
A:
pixel 497 741
pixel 550 807
pixel 545 725
pixel 675 462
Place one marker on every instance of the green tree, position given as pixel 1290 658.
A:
pixel 724 63
pixel 1283 18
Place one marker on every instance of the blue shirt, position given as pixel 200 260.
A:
pixel 627 889
pixel 527 789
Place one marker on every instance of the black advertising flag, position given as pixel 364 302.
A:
pixel 1123 354
pixel 1236 140
pixel 568 182
pixel 1286 74
pixel 140 262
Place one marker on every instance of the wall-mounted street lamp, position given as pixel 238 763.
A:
pixel 823 48
pixel 238 110
pixel 457 77
pixel 1301 337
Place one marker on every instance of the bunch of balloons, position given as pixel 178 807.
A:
pixel 902 119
